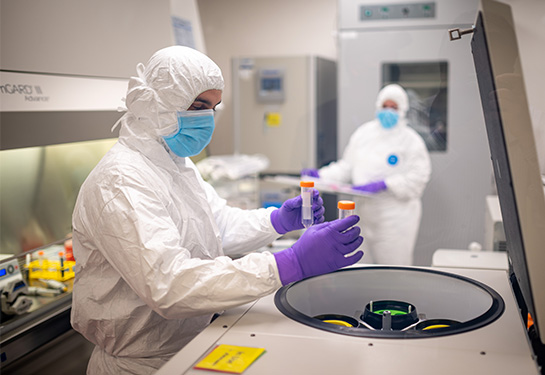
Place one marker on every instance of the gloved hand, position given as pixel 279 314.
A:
pixel 321 249
pixel 288 217
pixel 372 187
pixel 310 172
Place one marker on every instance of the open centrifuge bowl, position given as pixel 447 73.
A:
pixel 390 302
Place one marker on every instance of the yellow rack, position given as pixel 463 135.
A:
pixel 51 269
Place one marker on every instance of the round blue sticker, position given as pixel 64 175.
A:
pixel 393 159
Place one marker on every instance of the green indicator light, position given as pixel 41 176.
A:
pixel 393 312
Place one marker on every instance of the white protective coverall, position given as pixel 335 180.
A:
pixel 149 235
pixel 389 219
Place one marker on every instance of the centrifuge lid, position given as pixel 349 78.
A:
pixel 513 153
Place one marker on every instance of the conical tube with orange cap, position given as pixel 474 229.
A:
pixel 307 216
pixel 346 208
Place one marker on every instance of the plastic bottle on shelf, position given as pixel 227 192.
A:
pixel 41 260
pixel 43 264
pixel 68 250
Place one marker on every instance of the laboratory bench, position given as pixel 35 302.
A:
pixel 48 318
pixel 40 328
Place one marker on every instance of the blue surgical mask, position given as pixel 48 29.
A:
pixel 388 118
pixel 194 132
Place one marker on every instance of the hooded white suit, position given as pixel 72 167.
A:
pixel 150 235
pixel 389 219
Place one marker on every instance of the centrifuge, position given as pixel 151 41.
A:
pixel 317 325
pixel 391 302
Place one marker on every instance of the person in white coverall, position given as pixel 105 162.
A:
pixel 150 236
pixel 388 160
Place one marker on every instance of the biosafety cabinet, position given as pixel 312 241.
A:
pixel 59 97
pixel 405 42
pixel 286 108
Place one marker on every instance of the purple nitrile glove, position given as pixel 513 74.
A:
pixel 310 172
pixel 372 187
pixel 321 249
pixel 288 217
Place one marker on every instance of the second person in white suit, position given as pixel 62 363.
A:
pixel 388 160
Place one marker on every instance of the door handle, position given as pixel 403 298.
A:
pixel 455 34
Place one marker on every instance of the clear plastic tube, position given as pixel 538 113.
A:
pixel 41 259
pixel 346 208
pixel 307 216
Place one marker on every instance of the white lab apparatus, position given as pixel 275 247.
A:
pixel 285 107
pixel 307 190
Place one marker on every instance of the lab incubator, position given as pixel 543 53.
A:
pixel 426 320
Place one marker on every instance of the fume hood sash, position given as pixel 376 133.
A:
pixel 22 92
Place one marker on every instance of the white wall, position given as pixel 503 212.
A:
pixel 90 37
pixel 83 37
pixel 236 28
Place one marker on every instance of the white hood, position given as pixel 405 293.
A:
pixel 170 82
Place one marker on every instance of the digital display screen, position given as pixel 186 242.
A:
pixel 2 272
pixel 271 84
